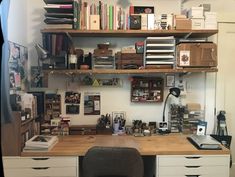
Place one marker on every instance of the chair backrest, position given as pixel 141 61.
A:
pixel 112 162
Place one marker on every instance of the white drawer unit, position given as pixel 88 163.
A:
pixel 192 166
pixel 41 166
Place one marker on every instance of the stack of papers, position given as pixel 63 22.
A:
pixel 40 143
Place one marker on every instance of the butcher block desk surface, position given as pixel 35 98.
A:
pixel 171 144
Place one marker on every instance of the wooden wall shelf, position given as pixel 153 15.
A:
pixel 133 33
pixel 130 71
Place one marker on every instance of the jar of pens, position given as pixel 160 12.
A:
pixel 119 122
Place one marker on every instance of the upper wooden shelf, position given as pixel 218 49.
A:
pixel 130 71
pixel 133 33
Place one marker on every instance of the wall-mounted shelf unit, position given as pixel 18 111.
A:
pixel 130 71
pixel 133 33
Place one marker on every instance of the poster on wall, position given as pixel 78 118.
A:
pixel 18 66
pixel 92 103
pixel 36 79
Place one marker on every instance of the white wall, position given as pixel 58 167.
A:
pixel 17 22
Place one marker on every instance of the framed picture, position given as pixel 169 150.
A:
pixel 92 104
pixel 170 80
pixel 72 97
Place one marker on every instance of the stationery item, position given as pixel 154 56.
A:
pixel 204 142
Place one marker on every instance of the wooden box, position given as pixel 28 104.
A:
pixel 82 129
pixel 129 60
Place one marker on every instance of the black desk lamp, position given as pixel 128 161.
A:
pixel 163 127
pixel 43 54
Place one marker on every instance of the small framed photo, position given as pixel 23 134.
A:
pixel 170 80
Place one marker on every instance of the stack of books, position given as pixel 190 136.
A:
pixel 62 14
pixel 40 143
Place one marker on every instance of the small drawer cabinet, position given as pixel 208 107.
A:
pixel 192 166
pixel 41 166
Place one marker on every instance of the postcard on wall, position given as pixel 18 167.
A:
pixel 92 104
pixel 18 65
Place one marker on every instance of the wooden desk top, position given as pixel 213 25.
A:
pixel 172 144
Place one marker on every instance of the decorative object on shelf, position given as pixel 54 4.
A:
pixel 201 128
pixel 163 126
pixel 221 125
pixel 119 121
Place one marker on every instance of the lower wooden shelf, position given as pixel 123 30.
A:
pixel 129 71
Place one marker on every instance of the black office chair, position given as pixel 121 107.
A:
pixel 112 162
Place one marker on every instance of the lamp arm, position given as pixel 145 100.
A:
pixel 163 114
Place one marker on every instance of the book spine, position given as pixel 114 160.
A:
pixel 131 10
pixel 75 15
pixel 100 13
pixel 110 17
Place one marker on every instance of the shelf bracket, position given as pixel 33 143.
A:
pixel 187 35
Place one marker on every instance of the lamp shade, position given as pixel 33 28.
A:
pixel 42 53
pixel 175 91
pixel 172 91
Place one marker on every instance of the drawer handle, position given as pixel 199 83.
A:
pixel 40 158
pixel 192 157
pixel 40 168
pixel 192 166
pixel 192 175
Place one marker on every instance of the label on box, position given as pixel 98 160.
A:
pixel 185 58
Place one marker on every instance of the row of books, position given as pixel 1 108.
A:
pixel 75 14
pixel 55 43
pixel 62 13
pixel 40 143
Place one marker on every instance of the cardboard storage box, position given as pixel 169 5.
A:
pixel 198 23
pixel 195 12
pixel 183 24
pixel 196 54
